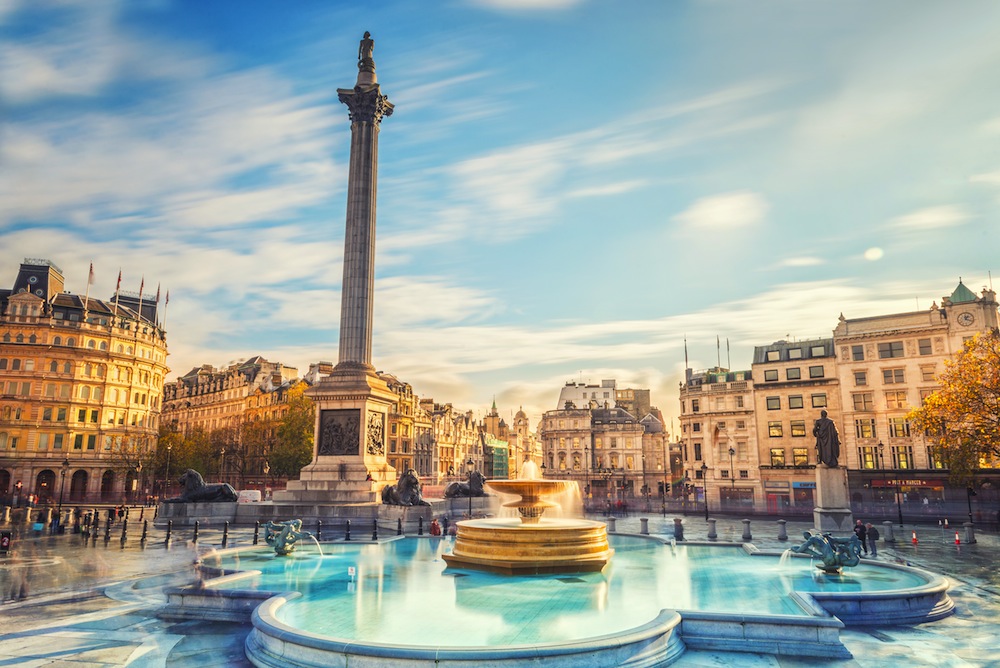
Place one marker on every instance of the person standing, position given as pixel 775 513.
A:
pixel 872 533
pixel 862 534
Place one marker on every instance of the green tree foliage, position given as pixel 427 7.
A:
pixel 293 447
pixel 963 416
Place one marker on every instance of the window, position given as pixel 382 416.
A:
pixel 770 375
pixel 91 441
pixel 773 355
pixel 773 403
pixel 81 415
pixel 614 441
pixel 29 365
pixel 817 351
pixel 793 373
pixel 860 378
pixel 795 354
pixel 47 414
pixel 902 456
pixel 864 427
pixel 891 349
pixel 800 456
pixel 60 415
pixel 867 457
pixel 739 401
pixel 741 424
pixel 78 442
pixel 924 394
pixel 695 407
pixel 815 372
pixel 725 473
pixel 15 365
pixel 798 428
pixel 935 456
pixel 695 427
pixel 774 429
pixel 57 442
pixel 895 399
pixel 93 416
pixel 927 374
pixel 43 441
pixel 924 346
pixel 863 401
pixel 899 427
pixel 893 376
pixel 697 452
pixel 819 401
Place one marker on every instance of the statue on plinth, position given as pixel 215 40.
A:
pixel 366 50
pixel 463 489
pixel 827 440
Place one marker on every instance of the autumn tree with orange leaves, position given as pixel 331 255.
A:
pixel 963 416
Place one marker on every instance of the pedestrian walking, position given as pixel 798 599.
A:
pixel 872 533
pixel 862 534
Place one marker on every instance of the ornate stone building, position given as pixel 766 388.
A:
pixel 81 381
pixel 717 415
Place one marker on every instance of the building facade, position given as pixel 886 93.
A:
pixel 81 383
pixel 794 382
pixel 887 365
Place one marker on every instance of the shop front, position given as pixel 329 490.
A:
pixel 804 496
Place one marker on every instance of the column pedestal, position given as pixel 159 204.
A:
pixel 352 407
pixel 833 505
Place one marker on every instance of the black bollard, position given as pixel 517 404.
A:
pixel 347 530
pixel 142 511
pixel 374 529
pixel 170 527
pixel 319 529
pixel 145 530
pixel 156 511
pixel 107 531
pixel 399 526
pixel 225 534
pixel 197 525
pixel 420 526
pixel 256 532
pixel 124 530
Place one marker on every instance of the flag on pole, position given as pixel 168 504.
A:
pixel 165 303
pixel 90 277
pixel 142 284
pixel 157 293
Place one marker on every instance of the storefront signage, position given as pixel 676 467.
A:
pixel 769 484
pixel 907 482
pixel 804 485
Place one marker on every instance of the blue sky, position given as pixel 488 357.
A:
pixel 567 188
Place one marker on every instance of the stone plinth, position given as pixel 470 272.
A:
pixel 833 504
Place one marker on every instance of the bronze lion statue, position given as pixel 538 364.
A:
pixel 406 492
pixel 197 490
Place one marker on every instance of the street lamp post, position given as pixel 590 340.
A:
pixel 895 481
pixel 138 480
pixel 469 467
pixel 222 465
pixel 62 488
pixel 704 486
pixel 969 493
pixel 169 448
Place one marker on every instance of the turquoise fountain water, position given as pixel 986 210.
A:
pixel 374 593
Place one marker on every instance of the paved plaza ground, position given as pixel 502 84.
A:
pixel 69 605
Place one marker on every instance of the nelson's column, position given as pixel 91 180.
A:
pixel 352 403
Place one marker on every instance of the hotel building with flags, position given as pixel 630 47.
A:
pixel 81 381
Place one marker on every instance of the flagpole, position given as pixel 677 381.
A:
pixel 142 284
pixel 166 303
pixel 118 288
pixel 86 299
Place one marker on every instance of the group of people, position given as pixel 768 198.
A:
pixel 868 535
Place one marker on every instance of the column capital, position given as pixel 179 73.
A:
pixel 365 103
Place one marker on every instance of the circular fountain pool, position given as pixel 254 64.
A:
pixel 399 600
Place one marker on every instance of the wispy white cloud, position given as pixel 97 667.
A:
pixel 802 261
pixel 526 5
pixel 727 211
pixel 930 218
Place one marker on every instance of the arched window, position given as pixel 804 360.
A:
pixel 71 342
pixel 54 366
pixel 85 392
pixel 88 369
pixel 129 350
pixel 68 367
pixel 119 348
pixel 91 344
pixel 104 345
pixel 20 338
pixel 32 339
pixel 3 440
pixel 57 341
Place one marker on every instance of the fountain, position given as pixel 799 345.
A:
pixel 530 544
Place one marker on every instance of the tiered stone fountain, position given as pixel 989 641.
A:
pixel 530 544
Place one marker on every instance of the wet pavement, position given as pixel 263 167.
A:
pixel 70 602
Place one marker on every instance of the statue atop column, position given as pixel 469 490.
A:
pixel 827 440
pixel 366 62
